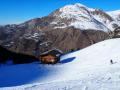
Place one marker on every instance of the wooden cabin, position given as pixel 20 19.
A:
pixel 50 57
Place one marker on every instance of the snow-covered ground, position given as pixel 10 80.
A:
pixel 87 69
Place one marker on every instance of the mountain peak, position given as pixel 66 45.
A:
pixel 79 16
pixel 79 5
pixel 73 7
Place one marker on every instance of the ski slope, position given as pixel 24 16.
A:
pixel 86 69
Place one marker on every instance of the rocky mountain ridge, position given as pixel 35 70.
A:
pixel 71 27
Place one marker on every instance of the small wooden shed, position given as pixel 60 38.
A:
pixel 51 56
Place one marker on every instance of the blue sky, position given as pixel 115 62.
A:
pixel 17 11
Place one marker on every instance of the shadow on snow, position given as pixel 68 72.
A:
pixel 67 60
pixel 21 74
pixel 16 75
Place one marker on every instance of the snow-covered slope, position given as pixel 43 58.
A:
pixel 87 69
pixel 115 14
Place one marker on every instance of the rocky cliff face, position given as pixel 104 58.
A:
pixel 69 28
pixel 65 39
pixel 72 38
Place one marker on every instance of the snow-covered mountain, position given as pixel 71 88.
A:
pixel 76 24
pixel 82 17
pixel 86 69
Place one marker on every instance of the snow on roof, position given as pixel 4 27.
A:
pixel 53 50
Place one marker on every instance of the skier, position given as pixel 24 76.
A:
pixel 111 61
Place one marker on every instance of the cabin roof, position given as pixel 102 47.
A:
pixel 54 52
